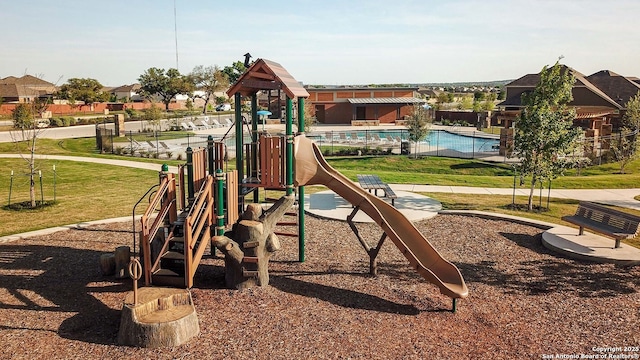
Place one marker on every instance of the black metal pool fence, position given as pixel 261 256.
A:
pixel 460 144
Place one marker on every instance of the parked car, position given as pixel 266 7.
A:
pixel 223 107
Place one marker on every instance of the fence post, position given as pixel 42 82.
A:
pixel 210 154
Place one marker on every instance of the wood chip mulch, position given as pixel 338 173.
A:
pixel 525 302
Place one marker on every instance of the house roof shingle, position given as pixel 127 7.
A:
pixel 532 80
pixel 617 87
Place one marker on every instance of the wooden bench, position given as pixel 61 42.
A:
pixel 612 223
pixel 373 182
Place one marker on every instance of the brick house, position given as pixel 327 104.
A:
pixel 599 100
pixel 362 105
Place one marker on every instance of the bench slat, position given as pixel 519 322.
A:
pixel 616 224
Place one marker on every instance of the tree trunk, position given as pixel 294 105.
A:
pixel 32 170
pixel 247 254
pixel 163 317
pixel 107 264
pixel 122 258
pixel 533 188
pixel 204 108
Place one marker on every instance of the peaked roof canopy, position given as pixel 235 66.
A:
pixel 603 87
pixel 266 75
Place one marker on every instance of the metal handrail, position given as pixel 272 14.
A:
pixel 134 216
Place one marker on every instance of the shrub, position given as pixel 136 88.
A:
pixel 69 120
pixel 169 154
pixel 56 121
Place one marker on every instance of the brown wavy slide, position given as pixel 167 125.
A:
pixel 312 169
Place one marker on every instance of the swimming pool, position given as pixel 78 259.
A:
pixel 437 141
pixel 440 139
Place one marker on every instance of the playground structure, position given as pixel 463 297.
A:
pixel 195 207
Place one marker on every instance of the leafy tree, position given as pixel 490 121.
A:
pixel 234 71
pixel 418 125
pixel 152 115
pixel 478 96
pixel 86 90
pixel 442 98
pixel 466 103
pixel 209 80
pixel 544 128
pixel 502 93
pixel 626 146
pixel 488 105
pixel 166 85
pixel 310 119
pixel 22 116
pixel 220 100
pixel 28 129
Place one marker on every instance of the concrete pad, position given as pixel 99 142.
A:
pixel 329 205
pixel 590 247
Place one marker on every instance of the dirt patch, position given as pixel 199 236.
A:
pixel 524 300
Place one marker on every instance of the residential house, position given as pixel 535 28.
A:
pixel 128 93
pixel 599 100
pixel 24 89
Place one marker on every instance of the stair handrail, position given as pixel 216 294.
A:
pixel 133 215
pixel 200 215
pixel 166 198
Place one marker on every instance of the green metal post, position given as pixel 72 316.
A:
pixel 289 149
pixel 239 148
pixel 210 154
pixel 190 185
pixel 219 202
pixel 254 142
pixel 301 188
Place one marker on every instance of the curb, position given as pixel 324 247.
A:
pixel 81 225
pixel 495 216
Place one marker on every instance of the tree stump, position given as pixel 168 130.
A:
pixel 107 264
pixel 162 317
pixel 122 258
pixel 250 244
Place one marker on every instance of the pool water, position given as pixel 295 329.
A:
pixel 445 140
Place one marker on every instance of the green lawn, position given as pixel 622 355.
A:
pixel 87 191
pixel 465 172
pixel 83 191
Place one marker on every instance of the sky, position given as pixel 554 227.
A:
pixel 330 42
